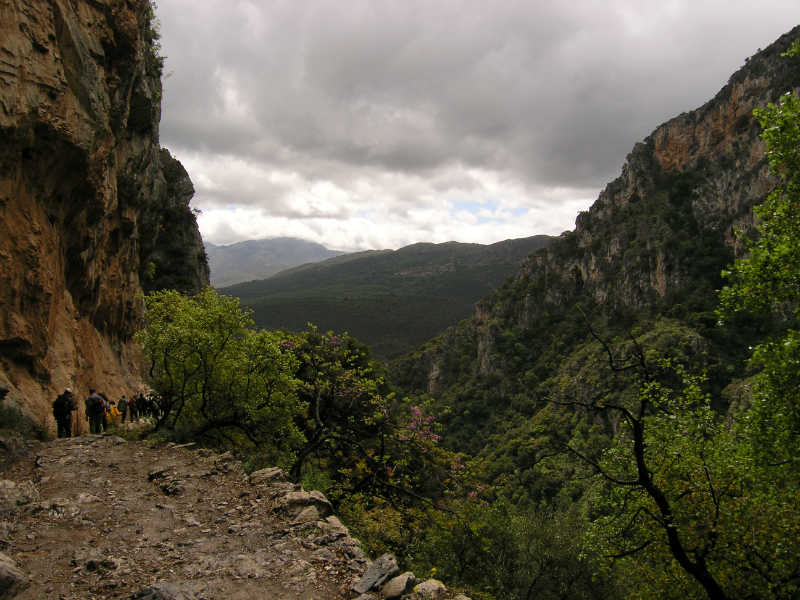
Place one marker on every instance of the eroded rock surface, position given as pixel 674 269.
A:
pixel 92 210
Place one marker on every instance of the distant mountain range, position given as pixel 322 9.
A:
pixel 392 300
pixel 259 259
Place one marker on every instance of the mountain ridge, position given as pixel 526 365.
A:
pixel 389 299
pixel 250 260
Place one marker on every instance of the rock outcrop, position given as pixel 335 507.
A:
pixel 92 210
pixel 682 193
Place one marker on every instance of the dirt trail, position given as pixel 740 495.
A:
pixel 98 517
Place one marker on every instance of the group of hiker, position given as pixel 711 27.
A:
pixel 101 412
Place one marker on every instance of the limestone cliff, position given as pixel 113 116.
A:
pixel 682 193
pixel 92 210
pixel 652 245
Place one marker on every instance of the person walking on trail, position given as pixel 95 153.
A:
pixel 112 414
pixel 132 407
pixel 122 406
pixel 106 407
pixel 62 411
pixel 95 411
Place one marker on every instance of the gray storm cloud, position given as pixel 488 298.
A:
pixel 360 93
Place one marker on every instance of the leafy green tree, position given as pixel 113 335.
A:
pixel 359 436
pixel 680 506
pixel 501 552
pixel 694 504
pixel 767 283
pixel 218 378
pixel 347 402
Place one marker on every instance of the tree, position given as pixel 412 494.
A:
pixel 512 554
pixel 767 282
pixel 358 434
pixel 695 504
pixel 218 378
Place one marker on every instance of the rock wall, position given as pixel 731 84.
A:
pixel 708 165
pixel 92 210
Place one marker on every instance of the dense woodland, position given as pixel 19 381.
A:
pixel 392 300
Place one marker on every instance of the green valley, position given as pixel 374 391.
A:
pixel 390 300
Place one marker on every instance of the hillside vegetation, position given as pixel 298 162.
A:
pixel 604 379
pixel 618 419
pixel 390 300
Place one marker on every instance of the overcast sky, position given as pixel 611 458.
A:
pixel 377 124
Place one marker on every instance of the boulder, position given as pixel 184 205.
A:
pixel 12 580
pixel 397 586
pixel 430 589
pixel 295 502
pixel 309 514
pixel 266 476
pixel 378 573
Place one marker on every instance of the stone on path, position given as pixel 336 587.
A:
pixel 12 580
pixel 377 574
pixel 397 586
pixel 269 475
pixel 431 589
pixel 14 495
pixel 163 591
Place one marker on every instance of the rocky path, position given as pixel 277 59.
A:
pixel 99 517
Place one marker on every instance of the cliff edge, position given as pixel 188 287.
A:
pixel 92 210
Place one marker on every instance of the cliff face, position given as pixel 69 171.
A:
pixel 91 208
pixel 653 243
pixel 694 180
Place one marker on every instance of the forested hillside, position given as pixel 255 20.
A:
pixel 646 258
pixel 390 300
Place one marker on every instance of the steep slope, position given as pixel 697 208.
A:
pixel 92 210
pixel 646 257
pixel 259 259
pixel 390 300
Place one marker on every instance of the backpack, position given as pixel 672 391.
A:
pixel 94 405
pixel 62 406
